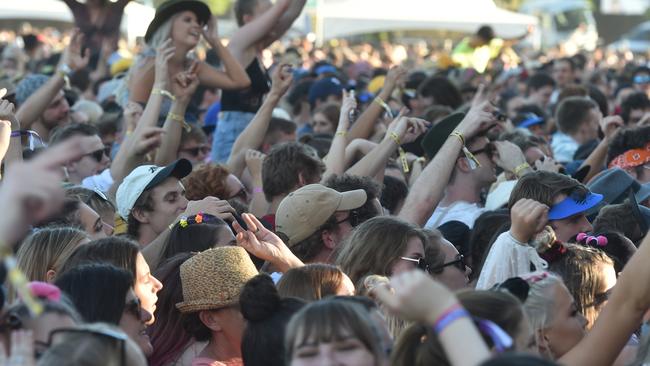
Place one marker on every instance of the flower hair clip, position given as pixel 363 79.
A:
pixel 599 240
pixel 199 218
pixel 183 222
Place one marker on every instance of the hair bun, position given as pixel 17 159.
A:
pixel 259 298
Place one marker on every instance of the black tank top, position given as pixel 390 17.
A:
pixel 249 99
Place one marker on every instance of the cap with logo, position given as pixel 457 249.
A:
pixel 304 211
pixel 144 178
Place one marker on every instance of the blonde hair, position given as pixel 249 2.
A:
pixel 540 301
pixel 47 249
pixel 160 35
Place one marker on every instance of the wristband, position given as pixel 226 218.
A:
pixel 402 153
pixel 454 313
pixel 179 119
pixel 472 160
pixel 258 190
pixel 520 168
pixel 163 92
pixel 341 133
pixel 383 104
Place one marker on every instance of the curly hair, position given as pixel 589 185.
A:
pixel 205 181
pixel 628 139
pixel 638 100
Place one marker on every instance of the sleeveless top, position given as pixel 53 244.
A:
pixel 251 98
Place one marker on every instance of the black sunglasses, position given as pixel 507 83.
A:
pixel 98 155
pixel 488 149
pixel 194 151
pixel 353 218
pixel 459 263
pixel 420 263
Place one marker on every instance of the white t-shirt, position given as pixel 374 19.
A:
pixel 462 211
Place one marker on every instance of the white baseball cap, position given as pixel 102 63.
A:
pixel 146 177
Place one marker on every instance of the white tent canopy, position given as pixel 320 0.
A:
pixel 134 22
pixel 342 18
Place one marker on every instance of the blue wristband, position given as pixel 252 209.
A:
pixel 449 318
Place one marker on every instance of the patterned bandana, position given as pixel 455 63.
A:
pixel 632 158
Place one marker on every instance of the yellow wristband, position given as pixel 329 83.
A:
pixel 341 133
pixel 402 153
pixel 163 92
pixel 383 104
pixel 459 136
pixel 179 119
pixel 520 168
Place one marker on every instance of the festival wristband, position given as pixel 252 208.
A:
pixel 179 119
pixel 454 313
pixel 163 92
pixel 258 190
pixel 402 153
pixel 520 168
pixel 383 104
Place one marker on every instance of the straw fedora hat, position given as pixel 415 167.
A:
pixel 213 279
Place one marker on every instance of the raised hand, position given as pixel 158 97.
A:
pixel 254 161
pixel 508 155
pixel 33 189
pixel 149 139
pixel 264 244
pixel 480 116
pixel 73 56
pixel 164 53
pixel 395 78
pixel 349 103
pixel 213 206
pixel 184 84
pixel 610 125
pixel 211 31
pixel 415 296
pixel 281 80
pixel 408 128
pixel 132 113
pixel 529 217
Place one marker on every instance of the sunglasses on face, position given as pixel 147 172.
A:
pixel 353 218
pixel 488 149
pixel 458 262
pixel 98 155
pixel 420 263
pixel 241 194
pixel 194 151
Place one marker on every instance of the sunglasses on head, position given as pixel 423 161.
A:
pixel 194 151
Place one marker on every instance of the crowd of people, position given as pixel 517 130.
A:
pixel 269 202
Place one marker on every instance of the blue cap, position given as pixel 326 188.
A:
pixel 327 68
pixel 571 206
pixel 530 119
pixel 323 88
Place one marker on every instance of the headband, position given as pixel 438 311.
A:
pixel 632 158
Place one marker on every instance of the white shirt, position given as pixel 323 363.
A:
pixel 101 182
pixel 564 147
pixel 462 211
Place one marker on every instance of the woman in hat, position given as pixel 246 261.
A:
pixel 182 22
pixel 212 282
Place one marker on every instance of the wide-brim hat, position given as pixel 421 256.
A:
pixel 439 133
pixel 213 279
pixel 170 7
pixel 614 183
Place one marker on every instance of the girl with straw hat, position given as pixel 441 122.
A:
pixel 212 282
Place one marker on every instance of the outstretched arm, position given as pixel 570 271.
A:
pixel 428 189
pixel 285 22
pixel 253 135
pixel 235 76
